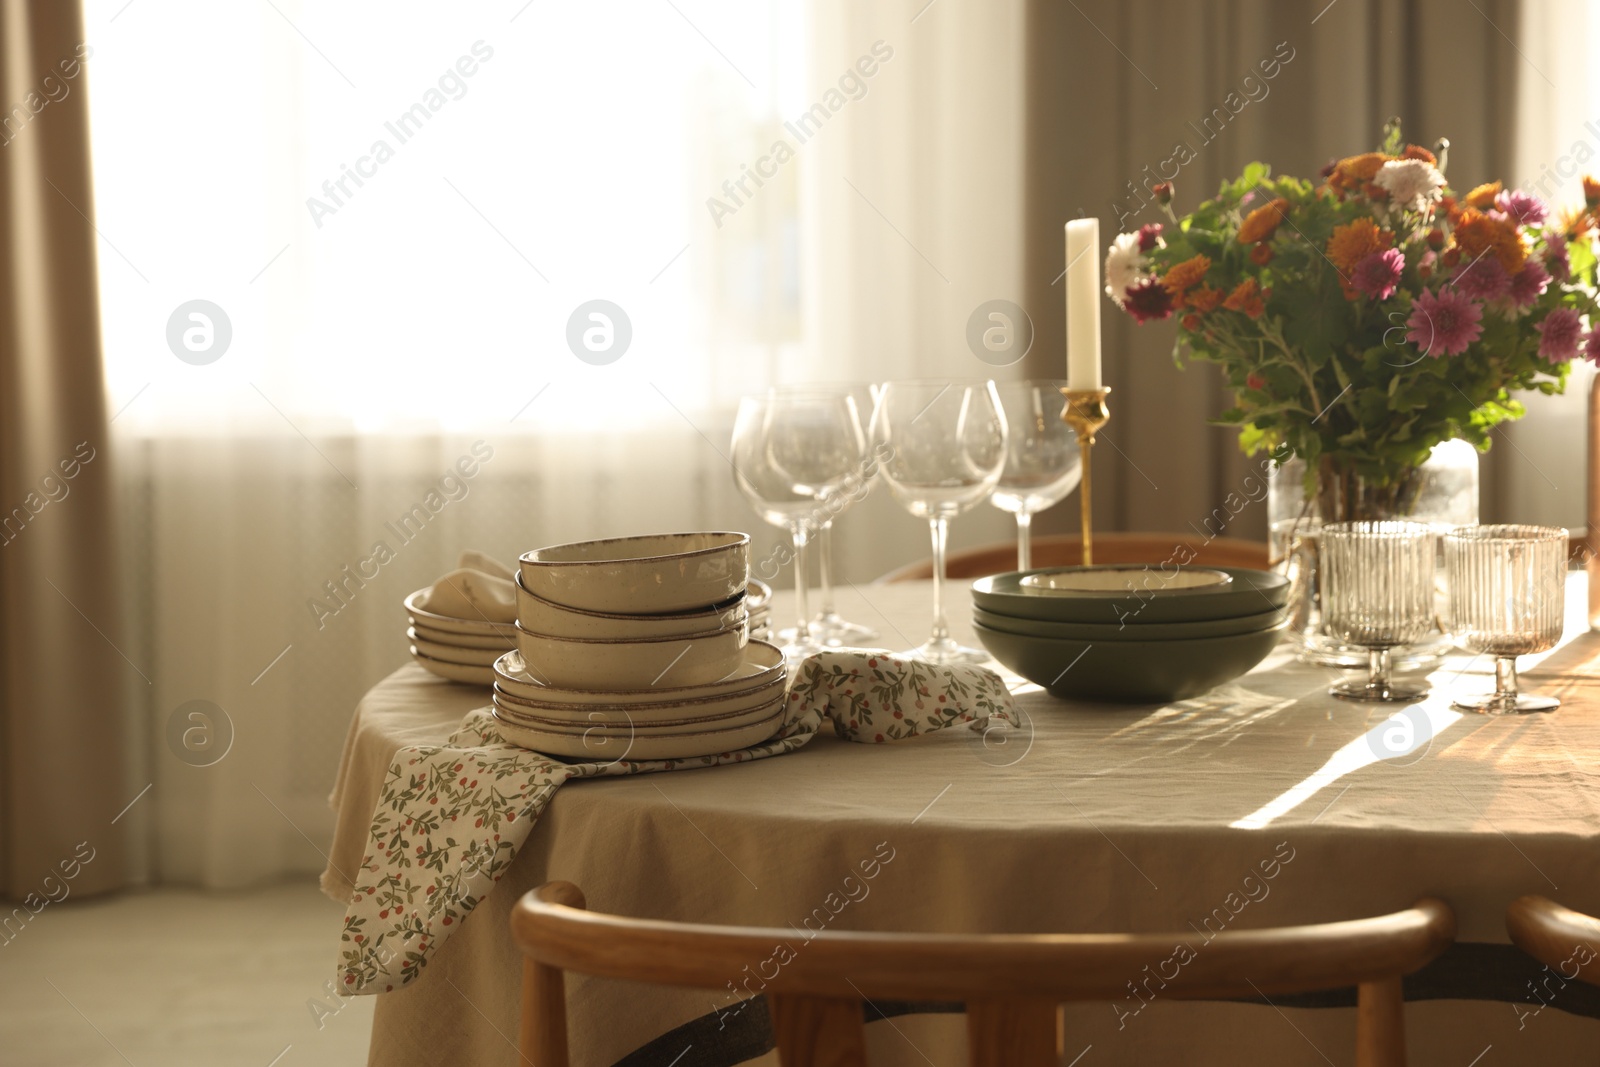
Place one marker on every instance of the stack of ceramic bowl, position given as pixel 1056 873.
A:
pixel 1131 633
pixel 462 650
pixel 638 648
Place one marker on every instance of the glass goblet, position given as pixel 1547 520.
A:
pixel 828 627
pixel 1507 598
pixel 1378 593
pixel 1043 464
pixel 789 454
pixel 940 446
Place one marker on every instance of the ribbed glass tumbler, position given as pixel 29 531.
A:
pixel 1508 599
pixel 1378 582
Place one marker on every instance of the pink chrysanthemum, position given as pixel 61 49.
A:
pixel 1378 274
pixel 1483 279
pixel 1529 284
pixel 1591 347
pixel 1150 237
pixel 1444 323
pixel 1148 300
pixel 1556 261
pixel 1558 335
pixel 1524 209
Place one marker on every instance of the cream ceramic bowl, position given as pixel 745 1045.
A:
pixel 584 715
pixel 693 659
pixel 657 574
pixel 433 621
pixel 474 657
pixel 762 664
pixel 540 616
pixel 459 640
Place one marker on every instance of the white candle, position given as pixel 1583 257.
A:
pixel 1083 304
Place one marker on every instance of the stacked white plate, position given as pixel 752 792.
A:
pixel 639 648
pixel 651 723
pixel 462 650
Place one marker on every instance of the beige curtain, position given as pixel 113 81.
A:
pixel 1116 86
pixel 61 671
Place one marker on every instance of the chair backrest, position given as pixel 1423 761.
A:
pixel 1012 984
pixel 1061 550
pixel 1565 940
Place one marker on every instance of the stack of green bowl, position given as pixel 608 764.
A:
pixel 1131 633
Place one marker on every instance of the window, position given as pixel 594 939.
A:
pixel 397 210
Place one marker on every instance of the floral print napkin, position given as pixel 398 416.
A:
pixel 451 817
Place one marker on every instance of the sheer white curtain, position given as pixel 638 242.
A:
pixel 1558 141
pixel 915 202
pixel 392 216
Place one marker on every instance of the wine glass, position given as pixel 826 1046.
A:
pixel 828 627
pixel 941 446
pixel 1043 463
pixel 1507 598
pixel 790 454
pixel 1378 593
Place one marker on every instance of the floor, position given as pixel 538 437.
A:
pixel 180 978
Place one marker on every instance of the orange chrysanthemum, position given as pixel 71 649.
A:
pixel 1483 196
pixel 1416 151
pixel 1186 275
pixel 1355 241
pixel 1355 171
pixel 1261 255
pixel 1247 298
pixel 1263 222
pixel 1477 234
pixel 1591 191
pixel 1204 299
pixel 1576 222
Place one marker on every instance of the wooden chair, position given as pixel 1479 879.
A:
pixel 1558 937
pixel 1012 984
pixel 1062 550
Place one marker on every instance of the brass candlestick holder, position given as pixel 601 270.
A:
pixel 1086 412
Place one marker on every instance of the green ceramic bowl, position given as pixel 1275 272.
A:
pixel 1130 672
pixel 1250 592
pixel 1133 630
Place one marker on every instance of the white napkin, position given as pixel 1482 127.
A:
pixel 480 588
pixel 477 561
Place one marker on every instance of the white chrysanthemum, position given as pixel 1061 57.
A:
pixel 1410 183
pixel 1125 265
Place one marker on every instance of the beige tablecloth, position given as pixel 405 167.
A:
pixel 1096 818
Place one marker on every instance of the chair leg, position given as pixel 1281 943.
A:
pixel 542 1038
pixel 1013 1033
pixel 1380 1024
pixel 817 1031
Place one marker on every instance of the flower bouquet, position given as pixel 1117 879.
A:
pixel 1365 319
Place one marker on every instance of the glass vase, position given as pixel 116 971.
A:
pixel 1442 492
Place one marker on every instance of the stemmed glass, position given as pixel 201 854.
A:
pixel 1378 593
pixel 1043 464
pixel 1507 598
pixel 941 446
pixel 828 627
pixel 791 453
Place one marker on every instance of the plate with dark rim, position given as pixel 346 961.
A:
pixel 1141 599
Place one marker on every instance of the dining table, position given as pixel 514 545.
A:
pixel 1264 802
